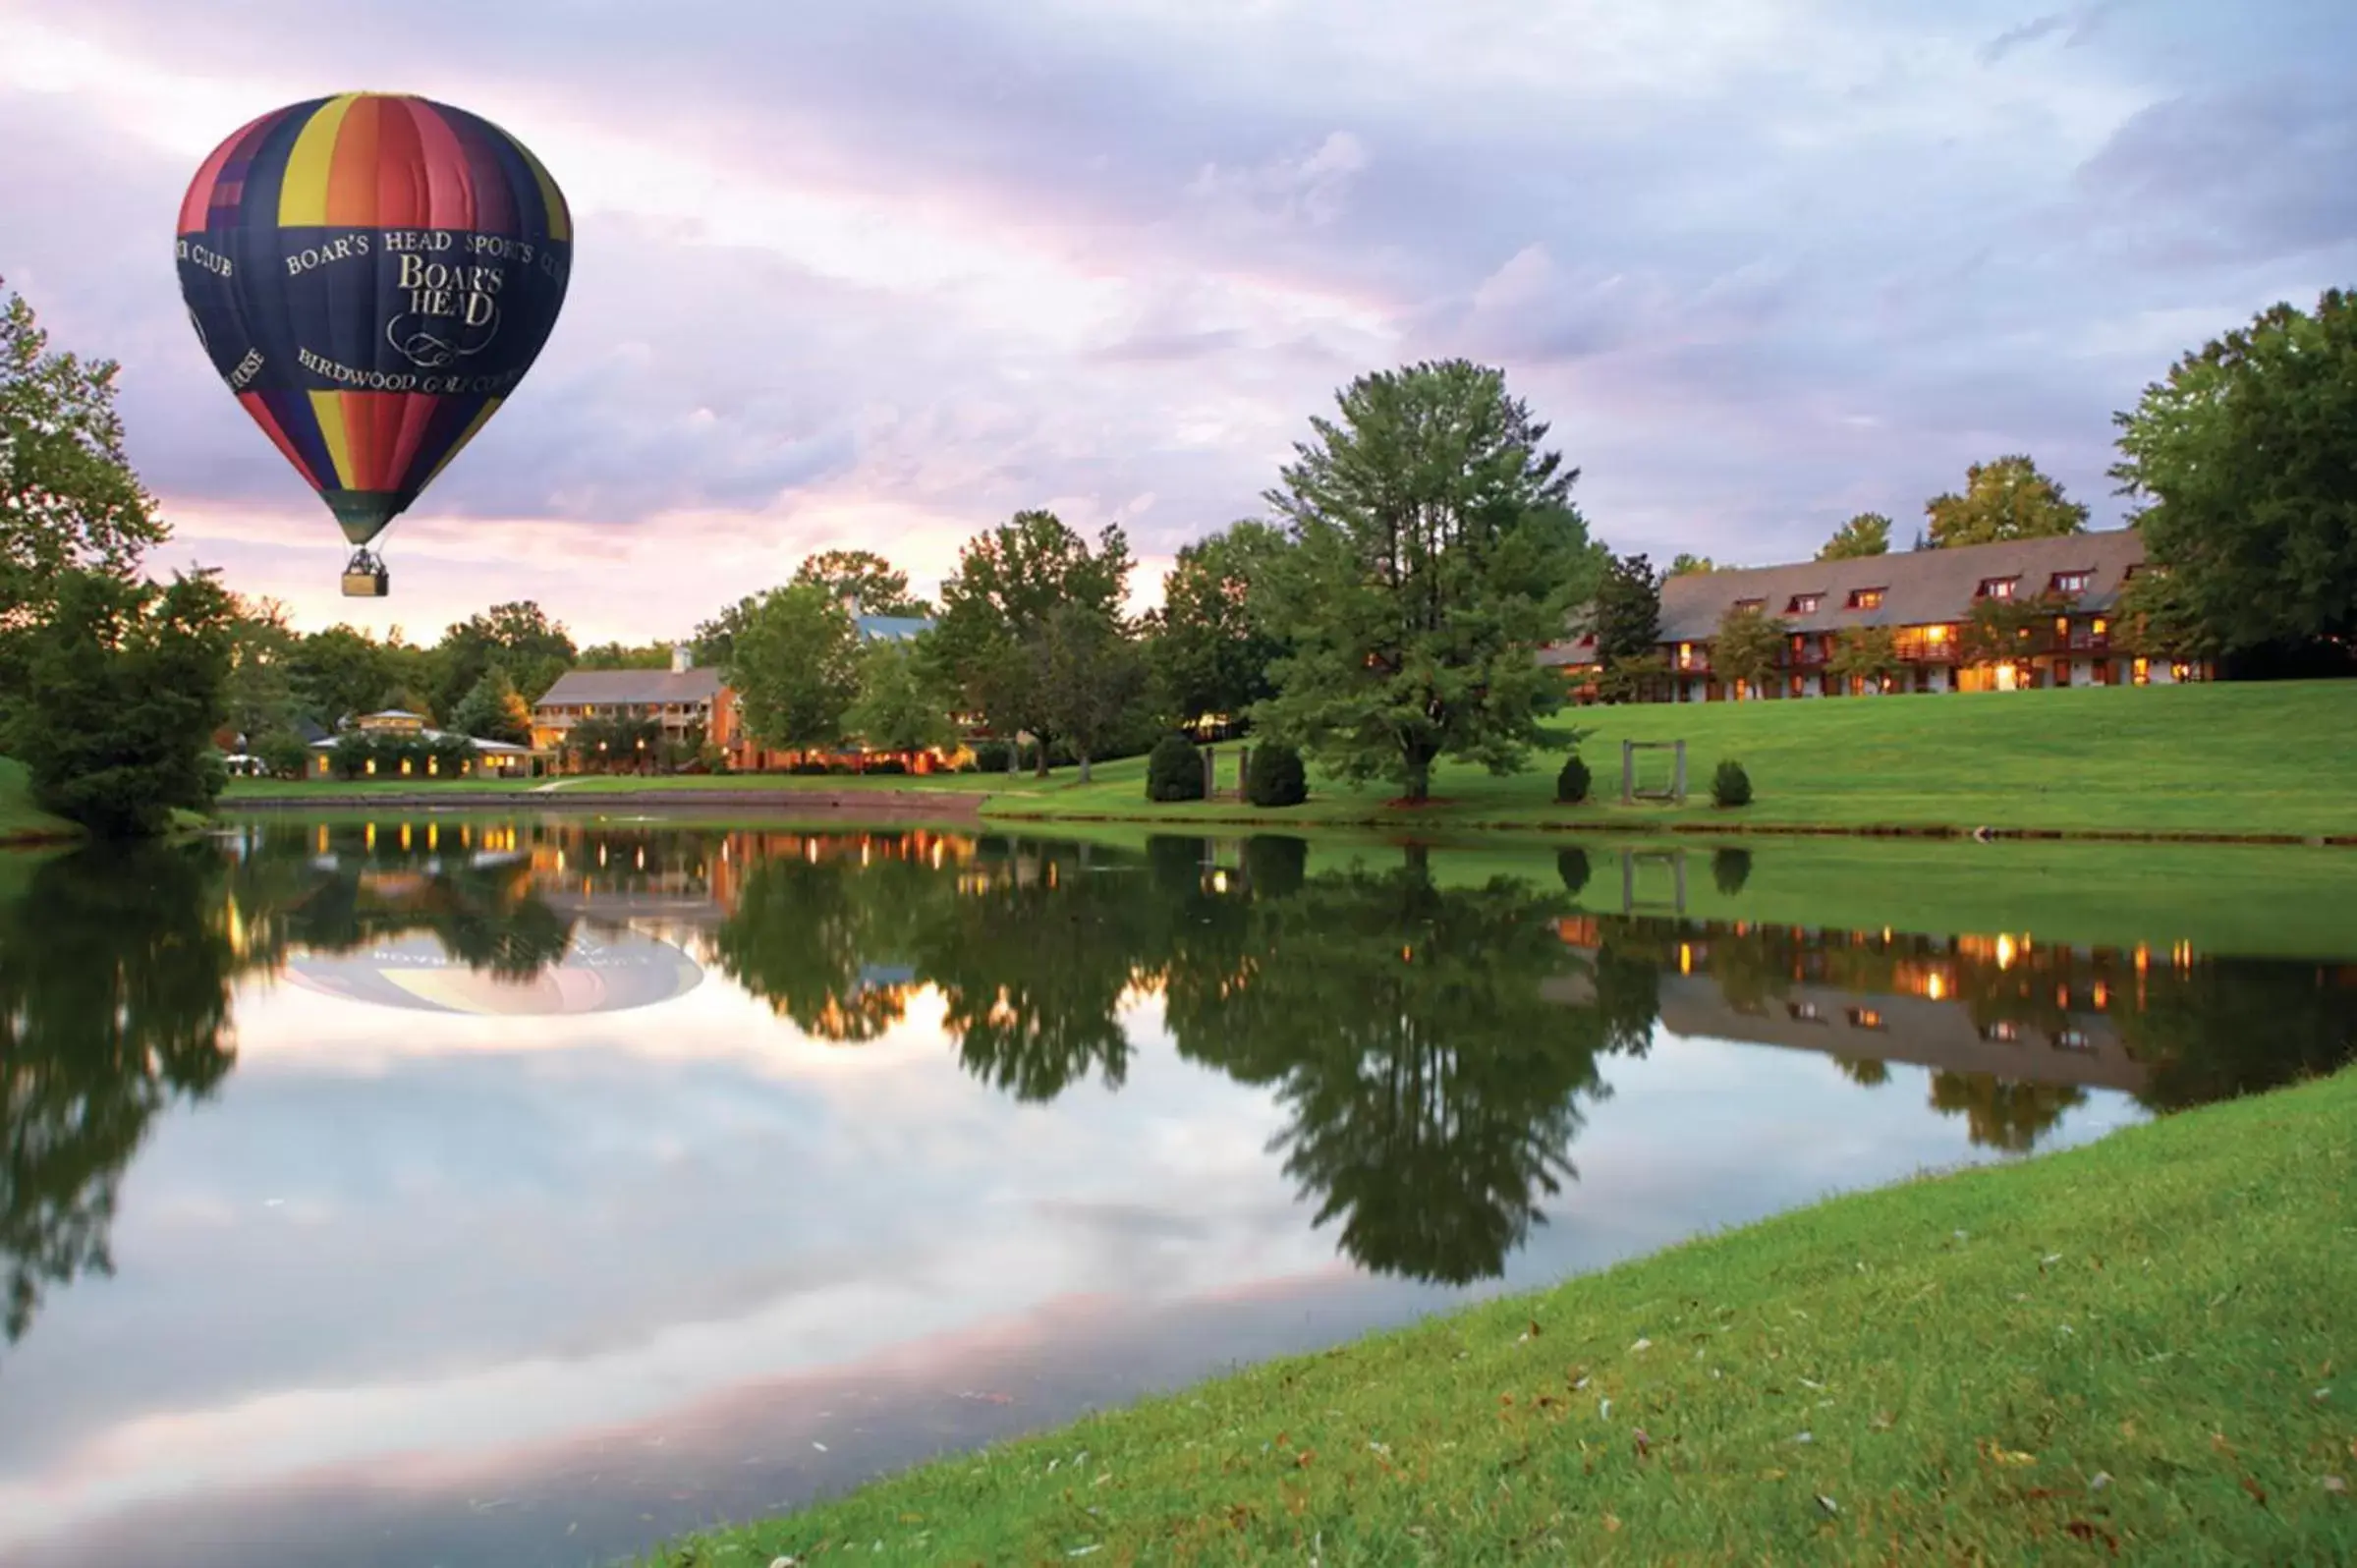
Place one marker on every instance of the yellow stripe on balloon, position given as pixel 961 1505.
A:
pixel 303 192
pixel 328 409
pixel 481 415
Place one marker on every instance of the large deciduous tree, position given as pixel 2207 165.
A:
pixel 1866 533
pixel 2003 499
pixel 897 709
pixel 877 585
pixel 1867 653
pixel 69 500
pixel 1746 646
pixel 1436 549
pixel 518 637
pixel 1213 642
pixel 1008 583
pixel 126 685
pixel 2244 462
pixel 794 668
pixel 1090 679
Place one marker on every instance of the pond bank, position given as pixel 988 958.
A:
pixel 868 803
pixel 2130 1344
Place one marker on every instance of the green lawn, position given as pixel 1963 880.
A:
pixel 19 820
pixel 2139 1350
pixel 2237 760
pixel 2276 757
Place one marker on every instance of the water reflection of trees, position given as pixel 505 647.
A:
pixel 115 970
pixel 1435 1049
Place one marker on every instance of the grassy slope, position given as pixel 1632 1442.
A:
pixel 19 818
pixel 2235 758
pixel 2227 758
pixel 2168 1308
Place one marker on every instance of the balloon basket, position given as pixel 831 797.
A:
pixel 365 577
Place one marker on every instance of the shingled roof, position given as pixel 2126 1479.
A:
pixel 632 685
pixel 1920 588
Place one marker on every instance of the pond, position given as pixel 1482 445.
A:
pixel 474 1191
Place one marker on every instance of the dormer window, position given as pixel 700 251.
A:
pixel 1804 605
pixel 1999 588
pixel 1751 604
pixel 1866 598
pixel 2072 581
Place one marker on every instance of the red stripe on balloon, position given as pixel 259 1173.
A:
pixel 486 176
pixel 401 195
pixel 442 164
pixel 260 411
pixel 196 207
pixel 417 421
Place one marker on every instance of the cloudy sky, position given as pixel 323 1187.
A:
pixel 883 273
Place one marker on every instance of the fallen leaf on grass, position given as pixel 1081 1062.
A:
pixel 2257 1491
pixel 2320 1395
pixel 2099 1480
pixel 1612 1522
pixel 1883 1419
pixel 1827 1504
pixel 1604 1410
pixel 2336 1484
pixel 1644 1444
pixel 2000 1454
pixel 1302 1461
pixel 2081 1530
pixel 1642 1345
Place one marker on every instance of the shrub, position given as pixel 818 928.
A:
pixel 1275 867
pixel 1730 786
pixel 1571 785
pixel 1571 864
pixel 993 756
pixel 1174 770
pixel 890 764
pixel 1274 776
pixel 1731 869
pixel 807 766
pixel 283 753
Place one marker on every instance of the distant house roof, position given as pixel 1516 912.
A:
pixel 393 714
pixel 890 628
pixel 1919 588
pixel 632 685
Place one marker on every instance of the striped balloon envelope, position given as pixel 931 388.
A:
pixel 372 274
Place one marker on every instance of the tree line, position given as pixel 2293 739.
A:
pixel 1379 618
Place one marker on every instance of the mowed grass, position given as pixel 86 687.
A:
pixel 2140 1350
pixel 19 818
pixel 2263 758
pixel 2272 758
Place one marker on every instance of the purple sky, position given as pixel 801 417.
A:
pixel 882 274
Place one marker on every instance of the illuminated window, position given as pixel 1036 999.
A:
pixel 1866 598
pixel 1804 605
pixel 1804 1012
pixel 2072 581
pixel 1935 634
pixel 2140 671
pixel 1751 604
pixel 1998 587
pixel 1865 1018
pixel 2101 626
pixel 2180 672
pixel 2072 1039
pixel 2004 1030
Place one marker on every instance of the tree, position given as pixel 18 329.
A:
pixel 2242 461
pixel 897 709
pixel 2008 631
pixel 1866 533
pixel 2159 617
pixel 339 673
pixel 69 500
pixel 1748 647
pixel 1089 679
pixel 2005 499
pixel 622 656
pixel 259 695
pixel 494 711
pixel 1869 653
pixel 1009 580
pixel 1684 565
pixel 518 637
pixel 126 685
pixel 1211 644
pixel 794 668
pixel 1628 609
pixel 1434 548
pixel 877 585
pixel 715 643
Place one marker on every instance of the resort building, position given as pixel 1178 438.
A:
pixel 492 759
pixel 687 706
pixel 1925 599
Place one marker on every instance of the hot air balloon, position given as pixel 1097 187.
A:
pixel 372 274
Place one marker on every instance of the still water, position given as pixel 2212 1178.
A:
pixel 474 1191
